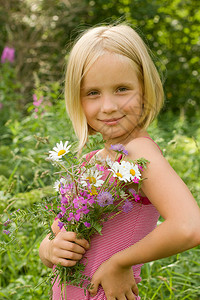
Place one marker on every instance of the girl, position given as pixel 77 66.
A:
pixel 113 87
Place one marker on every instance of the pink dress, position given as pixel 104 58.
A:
pixel 118 233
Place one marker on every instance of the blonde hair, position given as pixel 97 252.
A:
pixel 119 39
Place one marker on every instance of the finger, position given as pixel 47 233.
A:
pixel 73 247
pixel 135 289
pixel 72 237
pixel 123 297
pixel 130 295
pixel 93 288
pixel 65 262
pixel 82 242
pixel 68 255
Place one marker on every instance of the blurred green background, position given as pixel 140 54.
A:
pixel 33 119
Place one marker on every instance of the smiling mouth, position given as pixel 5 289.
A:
pixel 112 121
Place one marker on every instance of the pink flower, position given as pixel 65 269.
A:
pixel 1 105
pixel 64 200
pixel 87 224
pixel 99 168
pixel 37 102
pixel 8 54
pixel 71 216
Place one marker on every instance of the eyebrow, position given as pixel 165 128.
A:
pixel 125 83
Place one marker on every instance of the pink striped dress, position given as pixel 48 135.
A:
pixel 118 233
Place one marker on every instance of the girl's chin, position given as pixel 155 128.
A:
pixel 113 135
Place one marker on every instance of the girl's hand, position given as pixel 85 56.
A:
pixel 116 281
pixel 66 249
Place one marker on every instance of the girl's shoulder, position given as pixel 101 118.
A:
pixel 143 146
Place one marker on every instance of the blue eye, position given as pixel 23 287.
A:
pixel 92 93
pixel 122 89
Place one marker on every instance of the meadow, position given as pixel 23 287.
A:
pixel 26 179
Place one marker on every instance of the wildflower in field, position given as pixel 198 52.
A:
pixel 8 54
pixel 105 198
pixel 7 222
pixel 37 102
pixel 59 151
pixel 6 231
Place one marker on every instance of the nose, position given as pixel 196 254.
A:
pixel 108 104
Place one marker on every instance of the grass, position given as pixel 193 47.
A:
pixel 22 275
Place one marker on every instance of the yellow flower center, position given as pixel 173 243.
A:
pixel 119 174
pixel 92 180
pixel 132 172
pixel 61 152
pixel 93 191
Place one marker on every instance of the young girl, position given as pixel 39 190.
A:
pixel 113 87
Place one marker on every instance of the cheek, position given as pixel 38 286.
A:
pixel 132 108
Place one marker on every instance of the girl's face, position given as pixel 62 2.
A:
pixel 111 97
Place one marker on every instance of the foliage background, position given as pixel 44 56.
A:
pixel 41 31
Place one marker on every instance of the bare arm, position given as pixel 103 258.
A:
pixel 64 249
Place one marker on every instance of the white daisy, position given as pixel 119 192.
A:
pixel 93 176
pixel 119 171
pixel 132 170
pixel 59 151
pixel 57 184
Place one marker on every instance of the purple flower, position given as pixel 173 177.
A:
pixel 8 54
pixel 127 206
pixel 6 231
pixel 60 225
pixel 87 224
pixel 7 222
pixel 119 148
pixel 105 198
pixel 60 215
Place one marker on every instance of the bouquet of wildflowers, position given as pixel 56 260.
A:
pixel 88 194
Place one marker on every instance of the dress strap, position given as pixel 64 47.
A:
pixel 90 155
pixel 147 137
